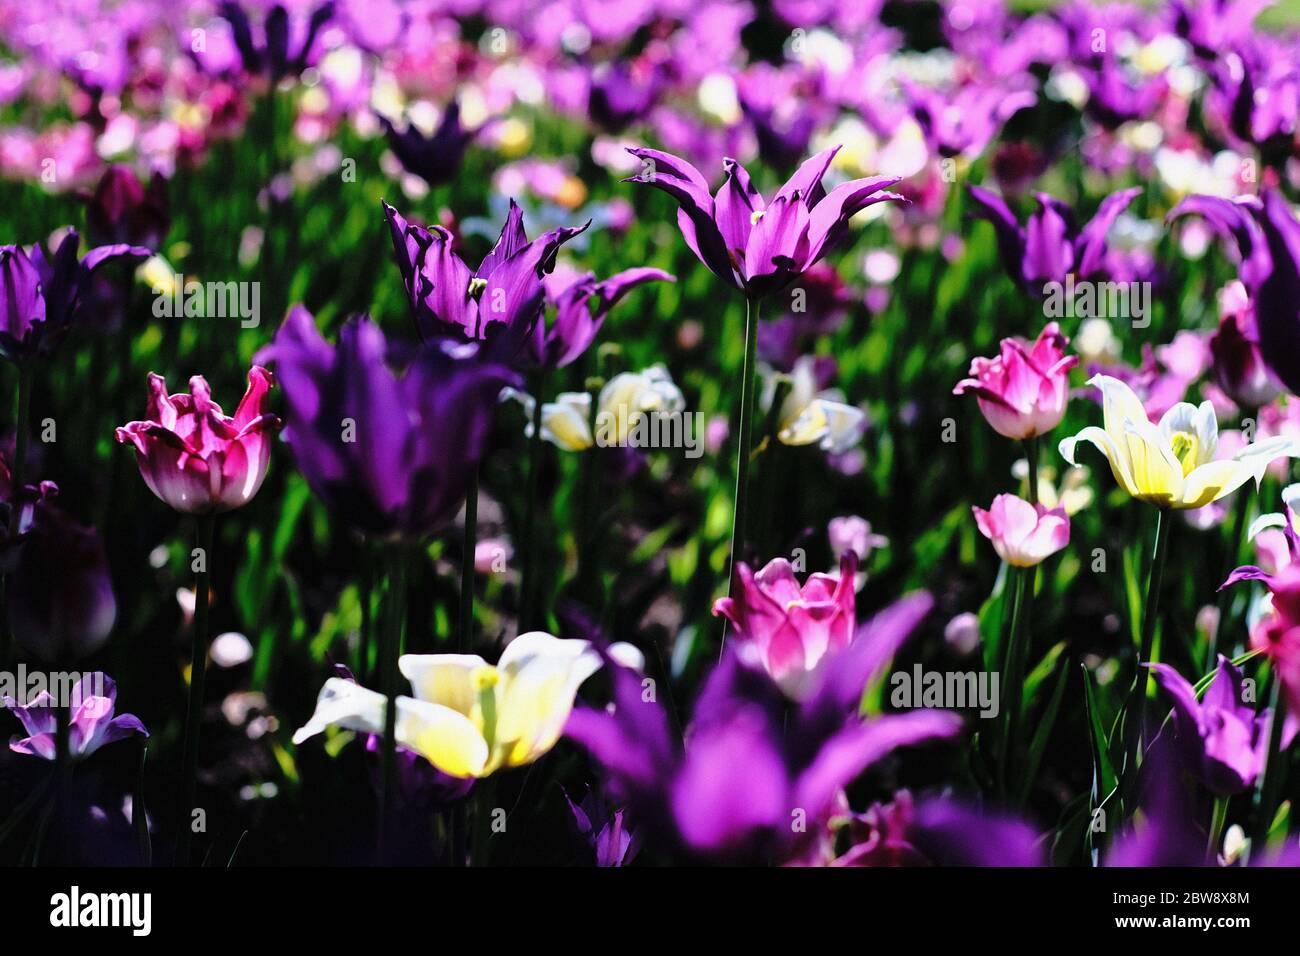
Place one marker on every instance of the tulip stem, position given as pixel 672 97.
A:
pixel 468 543
pixel 1031 459
pixel 1142 679
pixel 528 586
pixel 1237 524
pixel 1010 668
pixel 18 476
pixel 1273 772
pixel 1218 817
pixel 198 673
pixel 392 649
pixel 744 440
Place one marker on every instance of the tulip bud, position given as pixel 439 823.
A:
pixel 61 604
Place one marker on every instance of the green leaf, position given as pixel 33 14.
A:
pixel 1104 779
pixel 1045 724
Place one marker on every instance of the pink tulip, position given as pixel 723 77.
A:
pixel 194 457
pixel 1023 534
pixel 1023 392
pixel 788 627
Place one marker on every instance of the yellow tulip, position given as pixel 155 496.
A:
pixel 1170 463
pixel 470 718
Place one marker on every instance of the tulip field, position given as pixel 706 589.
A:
pixel 647 433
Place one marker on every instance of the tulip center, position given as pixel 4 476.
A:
pixel 484 681
pixel 755 216
pixel 476 287
pixel 1186 448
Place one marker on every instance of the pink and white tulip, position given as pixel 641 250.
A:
pixel 1024 390
pixel 789 628
pixel 194 457
pixel 1023 534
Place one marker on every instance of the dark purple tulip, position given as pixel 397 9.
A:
pixel 93 724
pixel 1210 26
pixel 448 298
pixel 765 93
pixel 390 451
pixel 604 831
pixel 940 831
pixel 41 298
pixel 1114 101
pixel 121 210
pixel 964 122
pixel 1050 245
pixel 1256 95
pixel 1266 237
pixel 1224 740
pixel 621 93
pixel 1168 834
pixel 757 246
pixel 749 767
pixel 1239 368
pixel 273 55
pixel 576 324
pixel 61 604
pixel 436 159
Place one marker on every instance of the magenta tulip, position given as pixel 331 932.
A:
pixel 790 627
pixel 1024 390
pixel 194 457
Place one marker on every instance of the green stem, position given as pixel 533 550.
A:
pixel 18 474
pixel 1150 610
pixel 367 623
pixel 1010 682
pixel 528 587
pixel 1031 459
pixel 468 543
pixel 744 439
pixel 1236 526
pixel 391 650
pixel 1272 774
pixel 1218 818
pixel 198 674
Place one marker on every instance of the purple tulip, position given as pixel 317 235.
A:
pixel 749 766
pixel 1239 368
pixel 1224 739
pixel 1266 237
pixel 760 247
pixel 938 831
pixel 1256 96
pixel 1050 245
pixel 391 452
pixel 92 724
pixel 621 93
pixel 436 159
pixel 1212 25
pixel 576 324
pixel 604 831
pixel 273 55
pixel 121 210
pixel 506 291
pixel 41 298
pixel 61 605
pixel 964 122
pixel 1166 833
